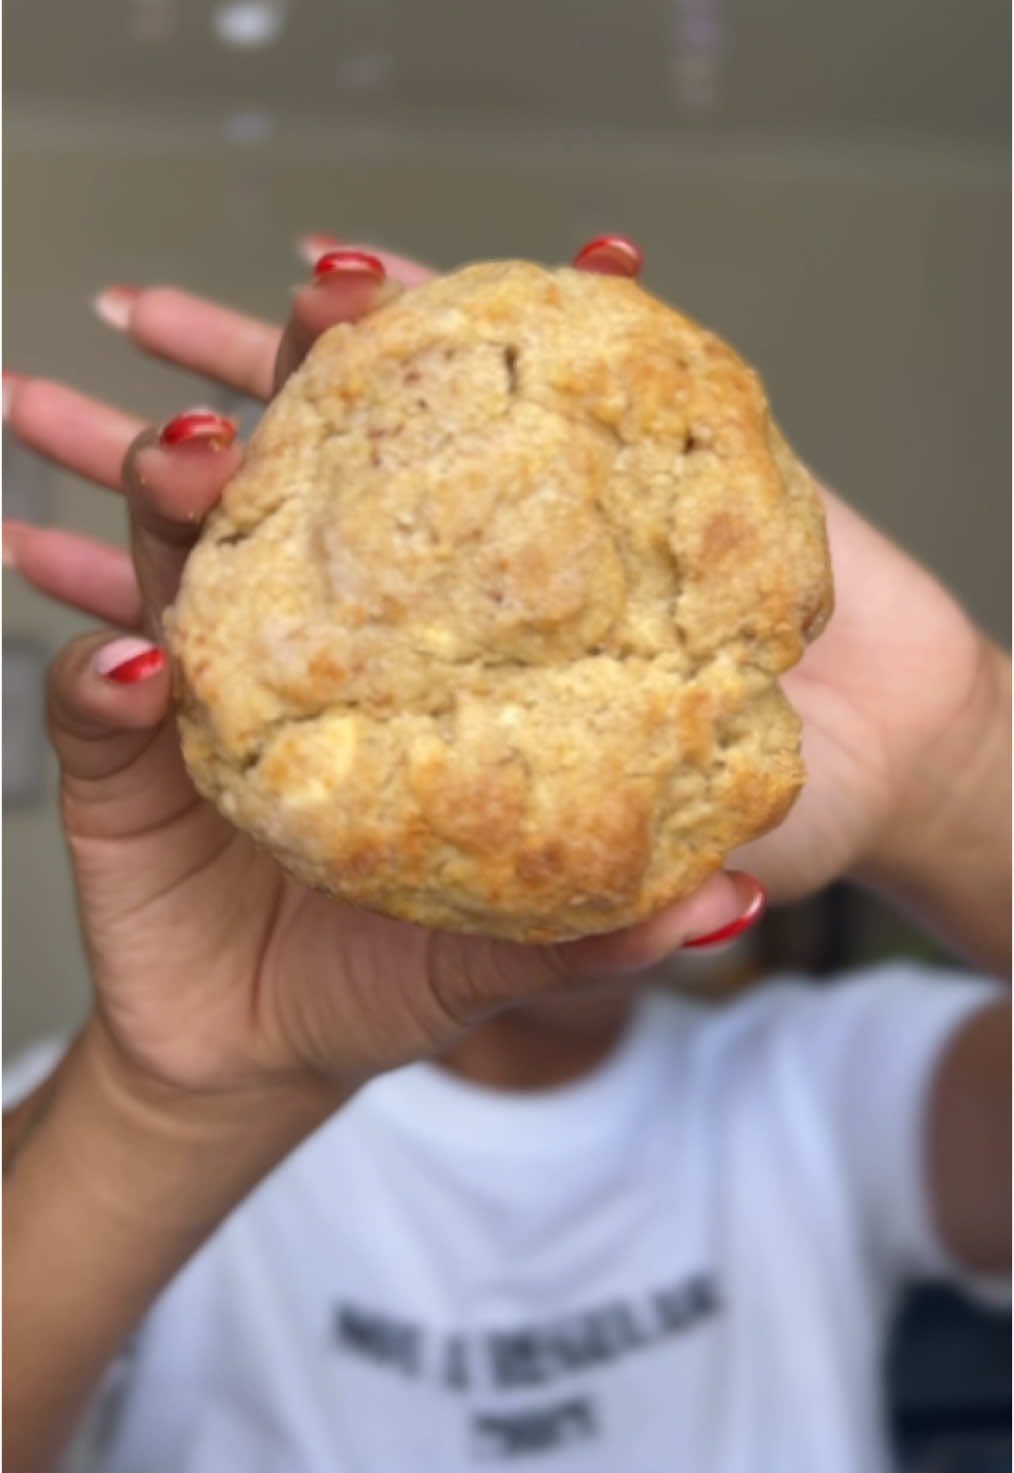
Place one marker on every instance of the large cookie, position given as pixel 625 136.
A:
pixel 486 632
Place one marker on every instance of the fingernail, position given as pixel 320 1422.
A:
pixel 114 304
pixel 756 904
pixel 128 660
pixel 359 264
pixel 12 382
pixel 610 255
pixel 204 426
pixel 311 247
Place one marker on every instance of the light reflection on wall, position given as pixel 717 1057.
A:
pixel 249 24
pixel 698 52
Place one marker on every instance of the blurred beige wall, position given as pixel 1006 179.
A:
pixel 870 283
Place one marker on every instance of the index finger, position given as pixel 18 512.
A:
pixel 233 348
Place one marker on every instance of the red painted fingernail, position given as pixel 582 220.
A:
pixel 113 304
pixel 755 908
pixel 203 426
pixel 610 255
pixel 128 660
pixel 311 247
pixel 349 263
pixel 12 382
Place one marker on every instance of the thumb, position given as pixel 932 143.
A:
pixel 475 975
pixel 108 705
pixel 347 284
pixel 726 905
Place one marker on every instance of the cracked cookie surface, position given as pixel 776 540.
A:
pixel 485 634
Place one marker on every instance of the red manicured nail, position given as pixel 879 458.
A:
pixel 139 668
pixel 311 247
pixel 349 263
pixel 128 660
pixel 610 255
pixel 113 305
pixel 755 908
pixel 199 425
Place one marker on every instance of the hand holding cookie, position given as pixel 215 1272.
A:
pixel 486 634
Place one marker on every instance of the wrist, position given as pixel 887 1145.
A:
pixel 136 1130
pixel 146 1159
pixel 944 850
pixel 948 788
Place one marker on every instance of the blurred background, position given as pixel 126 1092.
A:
pixel 825 184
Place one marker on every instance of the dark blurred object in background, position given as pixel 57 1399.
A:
pixel 949 1374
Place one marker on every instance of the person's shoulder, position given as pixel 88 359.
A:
pixel 883 994
pixel 817 1014
pixel 893 985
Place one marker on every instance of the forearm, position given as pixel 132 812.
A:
pixel 115 1188
pixel 946 855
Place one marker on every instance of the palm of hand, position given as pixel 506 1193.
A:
pixel 215 968
pixel 880 685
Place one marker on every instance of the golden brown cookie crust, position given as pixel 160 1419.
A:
pixel 485 634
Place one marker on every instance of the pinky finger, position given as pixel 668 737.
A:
pixel 76 571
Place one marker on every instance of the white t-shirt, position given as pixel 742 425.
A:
pixel 683 1261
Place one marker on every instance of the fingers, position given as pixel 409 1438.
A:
pixel 82 434
pixel 473 977
pixel 347 284
pixel 399 268
pixel 241 351
pixel 235 348
pixel 610 255
pixel 351 280
pixel 724 907
pixel 204 337
pixel 122 773
pixel 77 571
pixel 172 478
pixel 93 439
pixel 615 255
pixel 106 697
